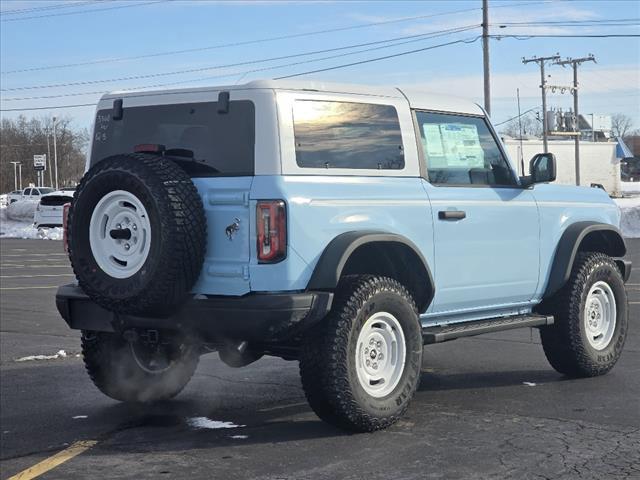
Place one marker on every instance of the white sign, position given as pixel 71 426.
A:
pixel 40 162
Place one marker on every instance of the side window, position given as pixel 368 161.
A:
pixel 35 192
pixel 460 150
pixel 27 192
pixel 347 135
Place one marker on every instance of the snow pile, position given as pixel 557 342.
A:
pixel 630 187
pixel 59 354
pixel 21 228
pixel 630 220
pixel 204 422
pixel 22 211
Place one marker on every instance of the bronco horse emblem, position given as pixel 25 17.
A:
pixel 233 228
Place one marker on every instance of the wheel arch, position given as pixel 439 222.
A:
pixel 582 237
pixel 375 252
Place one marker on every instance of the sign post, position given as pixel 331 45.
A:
pixel 40 165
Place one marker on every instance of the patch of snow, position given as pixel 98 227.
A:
pixel 22 210
pixel 630 216
pixel 529 384
pixel 240 436
pixel 79 416
pixel 204 422
pixel 11 228
pixel 59 354
pixel 630 187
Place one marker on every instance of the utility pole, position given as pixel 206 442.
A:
pixel 543 84
pixel 20 174
pixel 485 56
pixel 55 152
pixel 15 175
pixel 49 160
pixel 575 62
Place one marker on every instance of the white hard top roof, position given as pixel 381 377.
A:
pixel 417 98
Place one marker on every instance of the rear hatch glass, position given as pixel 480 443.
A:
pixel 222 142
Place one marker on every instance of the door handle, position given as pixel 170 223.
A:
pixel 451 214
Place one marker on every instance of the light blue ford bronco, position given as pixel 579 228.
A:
pixel 342 226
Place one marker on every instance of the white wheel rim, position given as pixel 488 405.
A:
pixel 380 354
pixel 120 211
pixel 600 314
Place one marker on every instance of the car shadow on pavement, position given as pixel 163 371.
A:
pixel 167 426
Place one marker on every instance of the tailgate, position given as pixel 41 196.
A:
pixel 226 266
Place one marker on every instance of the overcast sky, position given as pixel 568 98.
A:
pixel 46 33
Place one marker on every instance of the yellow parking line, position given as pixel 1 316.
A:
pixel 29 288
pixel 52 462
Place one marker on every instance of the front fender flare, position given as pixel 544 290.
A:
pixel 568 248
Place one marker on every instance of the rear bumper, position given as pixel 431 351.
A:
pixel 253 317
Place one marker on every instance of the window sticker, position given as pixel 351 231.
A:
pixel 453 145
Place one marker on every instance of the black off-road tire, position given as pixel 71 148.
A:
pixel 113 368
pixel 565 342
pixel 328 355
pixel 178 239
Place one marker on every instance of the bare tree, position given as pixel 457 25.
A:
pixel 22 138
pixel 530 126
pixel 621 124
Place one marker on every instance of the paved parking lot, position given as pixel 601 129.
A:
pixel 488 407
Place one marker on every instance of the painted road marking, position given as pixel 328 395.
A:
pixel 34 260
pixel 280 407
pixel 28 288
pixel 52 462
pixel 15 265
pixel 39 275
pixel 634 303
pixel 34 255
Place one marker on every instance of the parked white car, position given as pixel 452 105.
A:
pixel 14 196
pixel 49 210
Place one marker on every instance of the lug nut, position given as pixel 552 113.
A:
pixel 368 363
pixel 371 342
pixel 375 366
pixel 127 246
pixel 119 226
pixel 379 344
pixel 380 357
pixel 134 226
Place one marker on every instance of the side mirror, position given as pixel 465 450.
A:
pixel 542 168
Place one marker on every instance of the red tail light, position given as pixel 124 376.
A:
pixel 271 223
pixel 65 217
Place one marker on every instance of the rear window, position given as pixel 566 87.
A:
pixel 222 141
pixel 347 135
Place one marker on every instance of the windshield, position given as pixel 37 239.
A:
pixel 44 191
pixel 222 141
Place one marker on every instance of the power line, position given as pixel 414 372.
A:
pixel 261 40
pixel 517 116
pixel 572 22
pixel 126 5
pixel 471 40
pixel 47 108
pixel 56 6
pixel 413 38
pixel 526 37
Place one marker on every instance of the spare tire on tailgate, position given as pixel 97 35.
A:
pixel 137 234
